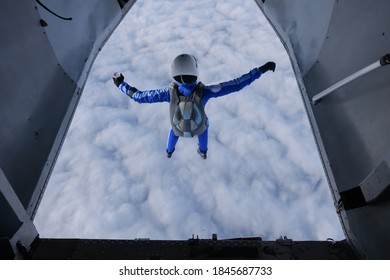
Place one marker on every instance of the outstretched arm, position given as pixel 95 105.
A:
pixel 147 96
pixel 239 83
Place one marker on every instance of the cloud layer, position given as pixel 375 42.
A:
pixel 263 175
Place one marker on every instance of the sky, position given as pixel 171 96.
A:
pixel 263 175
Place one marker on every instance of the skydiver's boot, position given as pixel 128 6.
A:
pixel 169 154
pixel 203 155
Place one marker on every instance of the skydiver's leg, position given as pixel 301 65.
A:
pixel 203 141
pixel 171 142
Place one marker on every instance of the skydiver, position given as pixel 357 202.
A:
pixel 188 99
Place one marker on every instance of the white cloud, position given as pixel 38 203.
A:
pixel 263 176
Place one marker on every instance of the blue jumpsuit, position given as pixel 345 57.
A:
pixel 213 91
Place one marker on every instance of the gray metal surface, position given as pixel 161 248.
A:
pixel 15 221
pixel 35 95
pixel 351 124
pixel 304 24
pixel 364 71
pixel 45 61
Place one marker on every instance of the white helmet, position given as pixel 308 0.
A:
pixel 185 68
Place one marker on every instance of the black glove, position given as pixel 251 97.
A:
pixel 268 66
pixel 118 78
